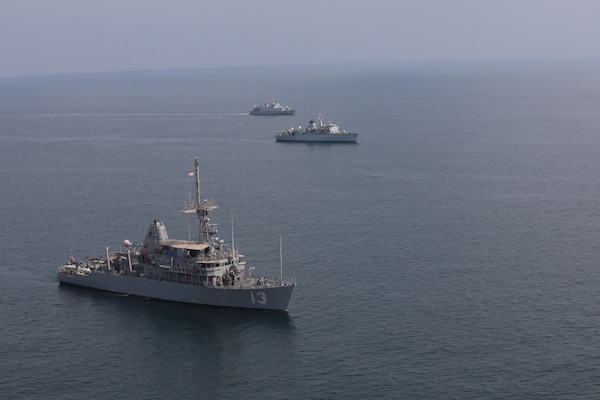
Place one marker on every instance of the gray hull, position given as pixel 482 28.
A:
pixel 256 297
pixel 272 112
pixel 315 137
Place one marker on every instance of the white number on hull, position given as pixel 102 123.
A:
pixel 259 297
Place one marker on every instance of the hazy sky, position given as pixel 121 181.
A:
pixel 64 36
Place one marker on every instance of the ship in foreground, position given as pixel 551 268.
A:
pixel 329 132
pixel 272 108
pixel 205 271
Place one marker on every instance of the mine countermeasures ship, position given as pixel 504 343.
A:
pixel 205 272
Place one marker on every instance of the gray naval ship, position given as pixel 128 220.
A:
pixel 328 132
pixel 204 272
pixel 272 108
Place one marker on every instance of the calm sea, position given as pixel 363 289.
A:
pixel 452 253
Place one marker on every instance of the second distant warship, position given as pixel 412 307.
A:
pixel 328 132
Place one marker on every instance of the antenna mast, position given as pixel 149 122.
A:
pixel 280 260
pixel 232 237
pixel 197 173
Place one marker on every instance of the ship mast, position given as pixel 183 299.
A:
pixel 197 176
pixel 202 209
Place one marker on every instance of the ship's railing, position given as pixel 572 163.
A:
pixel 267 282
pixel 215 255
pixel 201 262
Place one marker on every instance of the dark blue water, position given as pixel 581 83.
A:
pixel 452 253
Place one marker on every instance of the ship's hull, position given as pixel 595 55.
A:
pixel 255 296
pixel 316 137
pixel 272 112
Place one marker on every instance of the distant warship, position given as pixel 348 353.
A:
pixel 271 108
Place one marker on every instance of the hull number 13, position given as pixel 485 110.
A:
pixel 258 297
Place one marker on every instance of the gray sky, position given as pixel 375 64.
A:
pixel 65 36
